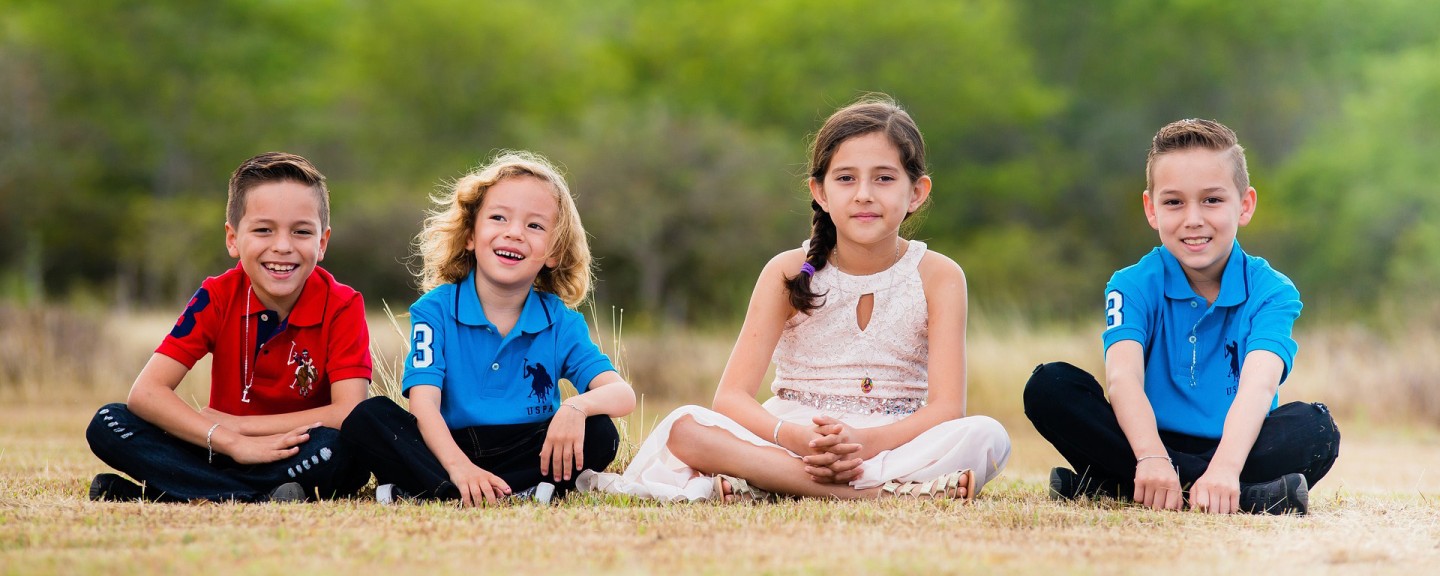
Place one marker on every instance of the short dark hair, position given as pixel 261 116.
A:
pixel 275 167
pixel 1196 133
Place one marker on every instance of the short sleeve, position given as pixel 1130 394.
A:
pixel 196 331
pixel 1272 325
pixel 583 360
pixel 425 364
pixel 349 343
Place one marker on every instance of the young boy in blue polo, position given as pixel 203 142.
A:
pixel 290 358
pixel 505 259
pixel 1197 343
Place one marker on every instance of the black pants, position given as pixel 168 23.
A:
pixel 1068 407
pixel 387 438
pixel 177 471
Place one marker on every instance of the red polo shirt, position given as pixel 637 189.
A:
pixel 324 340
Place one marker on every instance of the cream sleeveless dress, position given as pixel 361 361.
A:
pixel 821 363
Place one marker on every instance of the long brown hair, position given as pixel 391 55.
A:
pixel 876 113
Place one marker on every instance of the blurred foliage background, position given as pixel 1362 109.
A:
pixel 683 126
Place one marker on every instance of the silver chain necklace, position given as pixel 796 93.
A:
pixel 246 374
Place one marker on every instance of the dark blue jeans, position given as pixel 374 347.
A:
pixel 387 439
pixel 1068 407
pixel 174 470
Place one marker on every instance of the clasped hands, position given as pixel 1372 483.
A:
pixel 256 448
pixel 834 451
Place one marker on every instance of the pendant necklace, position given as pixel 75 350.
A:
pixel 866 383
pixel 246 374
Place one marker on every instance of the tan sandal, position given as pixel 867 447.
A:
pixel 947 486
pixel 741 490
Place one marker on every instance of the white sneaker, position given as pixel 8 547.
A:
pixel 540 494
pixel 389 494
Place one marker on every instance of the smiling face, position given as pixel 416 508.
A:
pixel 866 190
pixel 1197 209
pixel 512 233
pixel 279 241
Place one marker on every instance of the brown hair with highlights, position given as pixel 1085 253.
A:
pixel 1195 133
pixel 274 167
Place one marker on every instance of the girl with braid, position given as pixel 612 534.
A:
pixel 861 407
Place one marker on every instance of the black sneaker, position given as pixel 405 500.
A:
pixel 114 488
pixel 287 492
pixel 1288 494
pixel 1065 484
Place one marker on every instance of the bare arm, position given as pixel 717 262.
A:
pixel 607 394
pixel 750 359
pixel 1157 485
pixel 153 399
pixel 564 448
pixel 344 395
pixel 1218 490
pixel 475 484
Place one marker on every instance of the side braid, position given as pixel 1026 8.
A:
pixel 822 241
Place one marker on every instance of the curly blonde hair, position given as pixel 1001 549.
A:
pixel 440 245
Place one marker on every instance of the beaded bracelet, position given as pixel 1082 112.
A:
pixel 208 445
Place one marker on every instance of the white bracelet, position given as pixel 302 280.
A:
pixel 581 410
pixel 210 446
pixel 1144 458
pixel 776 434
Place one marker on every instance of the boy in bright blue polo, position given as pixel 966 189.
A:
pixel 1197 342
pixel 505 258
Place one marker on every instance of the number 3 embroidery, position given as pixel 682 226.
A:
pixel 1113 316
pixel 421 339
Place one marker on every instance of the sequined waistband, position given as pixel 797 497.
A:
pixel 853 404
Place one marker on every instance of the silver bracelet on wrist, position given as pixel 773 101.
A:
pixel 1144 458
pixel 577 408
pixel 208 445
pixel 775 436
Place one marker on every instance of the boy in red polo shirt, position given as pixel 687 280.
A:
pixel 291 358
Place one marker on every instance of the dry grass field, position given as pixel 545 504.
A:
pixel 1377 512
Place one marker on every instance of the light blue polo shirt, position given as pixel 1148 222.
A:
pixel 485 379
pixel 1194 351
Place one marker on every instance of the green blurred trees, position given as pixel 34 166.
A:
pixel 683 127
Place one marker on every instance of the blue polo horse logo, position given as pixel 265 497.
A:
pixel 1232 351
pixel 540 381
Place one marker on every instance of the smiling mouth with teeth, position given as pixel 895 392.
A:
pixel 1195 241
pixel 280 267
pixel 509 254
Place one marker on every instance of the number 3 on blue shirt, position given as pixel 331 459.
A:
pixel 421 338
pixel 1113 316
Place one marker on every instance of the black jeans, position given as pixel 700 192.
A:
pixel 387 439
pixel 177 471
pixel 1068 407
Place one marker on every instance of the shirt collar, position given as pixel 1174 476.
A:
pixel 534 316
pixel 309 308
pixel 1232 282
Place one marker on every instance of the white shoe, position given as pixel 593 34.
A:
pixel 389 494
pixel 540 494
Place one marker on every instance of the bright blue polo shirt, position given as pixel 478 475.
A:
pixel 1194 351
pixel 485 379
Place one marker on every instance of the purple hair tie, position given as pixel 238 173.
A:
pixel 807 268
